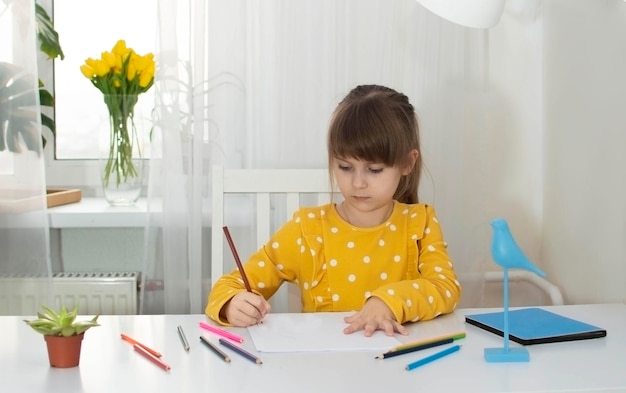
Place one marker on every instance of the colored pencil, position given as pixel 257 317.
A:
pixel 415 348
pixel 244 277
pixel 221 332
pixel 432 358
pixel 152 358
pixel 135 342
pixel 454 336
pixel 240 351
pixel 182 337
pixel 215 349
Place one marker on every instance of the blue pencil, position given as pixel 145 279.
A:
pixel 240 351
pixel 432 358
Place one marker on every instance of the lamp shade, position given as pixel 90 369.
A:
pixel 468 13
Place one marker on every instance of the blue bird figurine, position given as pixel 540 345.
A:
pixel 506 252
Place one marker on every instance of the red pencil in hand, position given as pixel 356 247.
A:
pixel 237 260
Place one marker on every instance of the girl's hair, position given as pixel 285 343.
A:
pixel 377 124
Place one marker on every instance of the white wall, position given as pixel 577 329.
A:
pixel 564 190
pixel 583 243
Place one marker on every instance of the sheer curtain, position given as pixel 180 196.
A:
pixel 262 79
pixel 24 234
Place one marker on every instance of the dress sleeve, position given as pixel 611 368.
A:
pixel 432 287
pixel 266 270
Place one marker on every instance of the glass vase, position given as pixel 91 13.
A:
pixel 121 152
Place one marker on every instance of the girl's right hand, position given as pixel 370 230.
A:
pixel 246 309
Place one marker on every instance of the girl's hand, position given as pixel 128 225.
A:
pixel 246 309
pixel 375 315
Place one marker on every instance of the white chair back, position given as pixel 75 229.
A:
pixel 274 195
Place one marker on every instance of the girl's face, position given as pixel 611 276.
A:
pixel 367 188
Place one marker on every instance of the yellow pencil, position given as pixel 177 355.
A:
pixel 453 336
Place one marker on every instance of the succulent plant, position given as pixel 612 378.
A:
pixel 52 323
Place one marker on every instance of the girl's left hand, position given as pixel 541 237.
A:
pixel 375 315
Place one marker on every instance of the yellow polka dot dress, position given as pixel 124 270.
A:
pixel 339 266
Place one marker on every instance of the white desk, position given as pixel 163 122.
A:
pixel 108 364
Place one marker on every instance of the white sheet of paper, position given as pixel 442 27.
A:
pixel 309 332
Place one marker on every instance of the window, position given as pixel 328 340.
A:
pixel 80 113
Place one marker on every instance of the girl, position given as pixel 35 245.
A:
pixel 379 251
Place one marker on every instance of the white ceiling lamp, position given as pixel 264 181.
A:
pixel 469 13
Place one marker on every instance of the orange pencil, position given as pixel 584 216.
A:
pixel 153 359
pixel 135 342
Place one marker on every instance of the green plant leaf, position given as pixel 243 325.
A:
pixel 51 322
pixel 48 37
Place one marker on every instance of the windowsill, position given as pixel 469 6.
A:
pixel 97 213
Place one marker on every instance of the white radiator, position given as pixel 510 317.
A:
pixel 111 293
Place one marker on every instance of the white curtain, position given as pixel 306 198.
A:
pixel 24 234
pixel 261 79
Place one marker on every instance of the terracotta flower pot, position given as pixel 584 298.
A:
pixel 64 352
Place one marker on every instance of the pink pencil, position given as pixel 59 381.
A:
pixel 221 332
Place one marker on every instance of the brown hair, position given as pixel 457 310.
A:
pixel 377 124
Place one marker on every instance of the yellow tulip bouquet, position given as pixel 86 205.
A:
pixel 121 75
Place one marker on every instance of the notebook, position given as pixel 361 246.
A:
pixel 536 326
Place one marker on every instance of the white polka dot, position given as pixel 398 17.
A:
pixel 351 278
pixel 335 298
pixel 383 276
pixel 397 258
pixel 431 247
pixel 299 241
pixel 311 215
pixel 275 245
pixel 368 294
pixel 381 242
pixel 297 219
pixel 305 285
pixel 322 212
pixel 420 266
pixel 405 211
pixel 448 294
pixel 320 240
pixel 313 252
pixel 435 219
pixel 261 263
pixel 438 269
pixel 334 230
pixel 333 262
pixel 415 319
pixel 391 292
pixel 366 259
pixel 392 228
pixel 431 299
pixel 302 249
pixel 319 299
pixel 409 303
pixel 314 284
pixel 413 237
pixel 350 245
pixel 438 313
pixel 261 285
pixel 416 285
pixel 427 231
pixel 441 276
pixel 445 244
pixel 279 266
pixel 324 266
pixel 413 215
pixel 450 263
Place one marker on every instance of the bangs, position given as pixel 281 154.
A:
pixel 368 132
